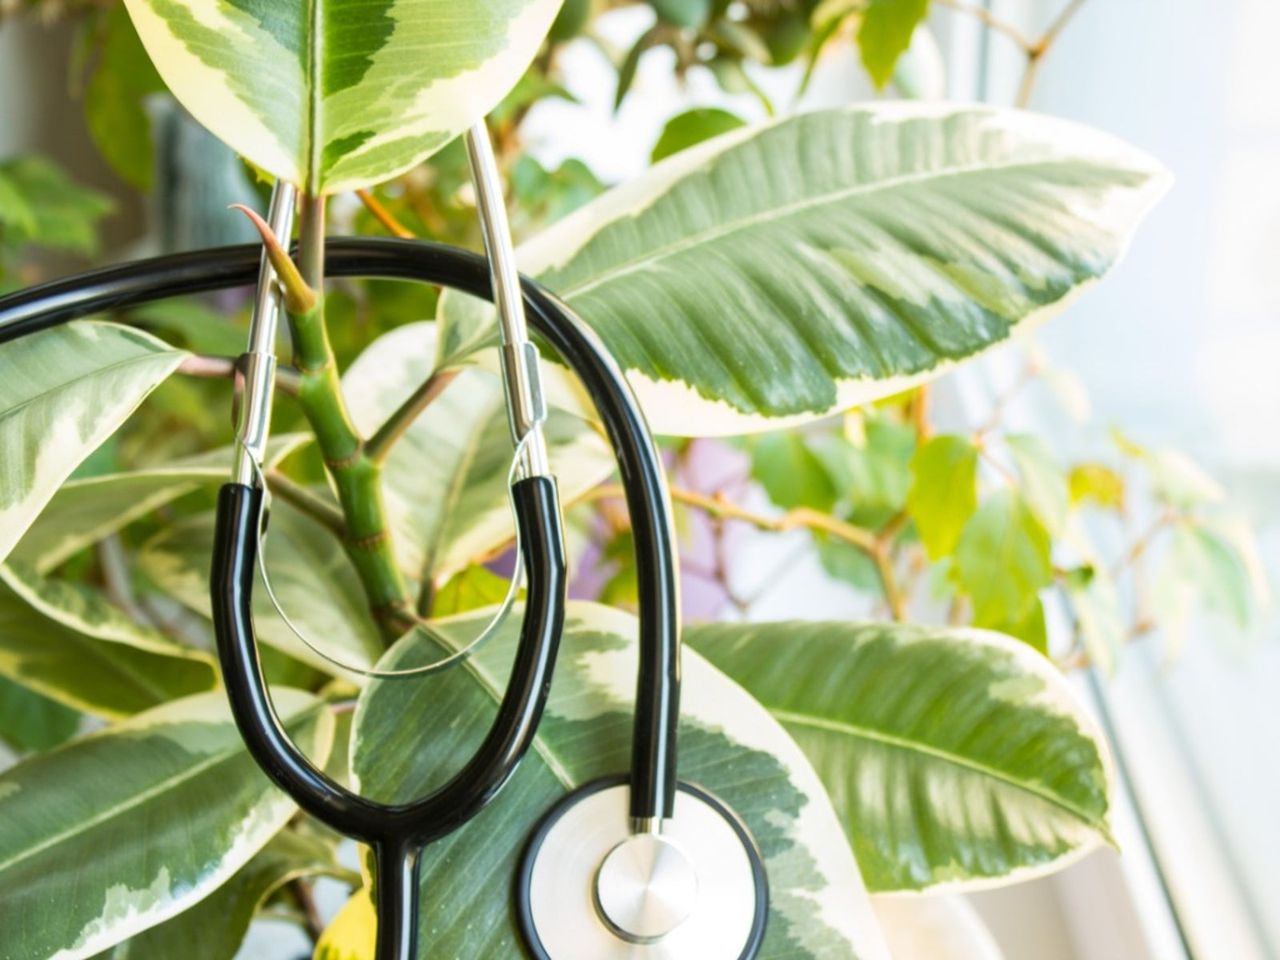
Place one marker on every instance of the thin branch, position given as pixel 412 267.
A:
pixel 1139 547
pixel 893 594
pixel 993 22
pixel 1036 55
pixel 315 507
pixel 719 506
pixel 300 891
pixel 225 368
pixel 384 216
pixel 380 444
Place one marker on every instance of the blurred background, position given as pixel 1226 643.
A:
pixel 1178 346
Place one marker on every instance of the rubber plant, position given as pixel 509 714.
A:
pixel 754 283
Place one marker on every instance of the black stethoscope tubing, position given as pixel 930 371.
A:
pixel 398 832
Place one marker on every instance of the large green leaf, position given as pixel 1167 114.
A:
pixel 786 271
pixel 64 391
pixel 954 756
pixel 85 510
pixel 311 574
pixel 70 645
pixel 446 479
pixel 728 744
pixel 120 830
pixel 215 927
pixel 339 94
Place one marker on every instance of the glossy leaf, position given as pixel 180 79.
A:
pixel 728 744
pixel 778 273
pixel 446 478
pixel 70 645
pixel 214 928
pixel 71 819
pixel 944 491
pixel 66 390
pixel 1003 559
pixel 953 756
pixel 338 94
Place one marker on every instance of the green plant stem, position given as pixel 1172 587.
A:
pixel 394 427
pixel 356 478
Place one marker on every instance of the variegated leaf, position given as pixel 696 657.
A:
pixel 728 744
pixel 69 644
pixel 85 510
pixel 955 757
pixel 121 830
pixel 783 272
pixel 339 94
pixel 63 392
pixel 446 478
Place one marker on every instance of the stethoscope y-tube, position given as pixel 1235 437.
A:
pixel 397 832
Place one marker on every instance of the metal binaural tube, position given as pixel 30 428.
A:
pixel 258 364
pixel 526 408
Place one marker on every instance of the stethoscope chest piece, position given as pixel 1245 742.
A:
pixel 592 888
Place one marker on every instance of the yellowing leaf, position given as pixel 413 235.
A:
pixel 944 491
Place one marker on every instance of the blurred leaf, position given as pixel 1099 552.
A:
pixel 193 325
pixel 790 472
pixel 871 476
pixel 139 822
pixel 848 563
pixel 1211 569
pixel 91 658
pixel 215 927
pixel 1003 559
pixel 58 213
pixel 15 211
pixel 1030 628
pixel 32 722
pixel 622 589
pixel 1044 482
pixel 692 127
pixel 469 589
pixel 786 34
pixel 1069 391
pixel 739 39
pixel 682 13
pixel 1096 483
pixel 1175 479
pixel 953 756
pixel 65 390
pixel 1096 607
pixel 631 63
pixel 114 100
pixel 944 491
pixel 571 19
pixel 884 34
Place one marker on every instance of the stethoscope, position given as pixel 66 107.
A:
pixel 638 865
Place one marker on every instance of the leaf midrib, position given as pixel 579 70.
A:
pixel 138 799
pixel 886 739
pixel 724 229
pixel 17 408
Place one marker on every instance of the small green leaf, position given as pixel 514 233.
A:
pixel 953 756
pixel 790 472
pixel 631 63
pixel 1098 484
pixel 1096 607
pixel 1213 570
pixel 122 829
pixel 115 100
pixel 872 474
pixel 1176 479
pixel 1044 482
pixel 692 127
pixel 1003 559
pixel 944 491
pixel 885 34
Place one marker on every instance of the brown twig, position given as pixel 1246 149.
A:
pixel 993 22
pixel 300 891
pixel 296 495
pixel 1036 55
pixel 384 216
pixel 225 368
